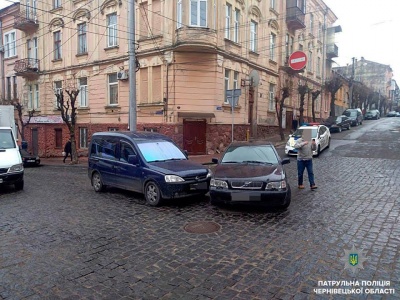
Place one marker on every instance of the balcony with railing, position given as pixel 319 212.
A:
pixel 26 21
pixel 28 68
pixel 295 15
pixel 332 51
pixel 196 39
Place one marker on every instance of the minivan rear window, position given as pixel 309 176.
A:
pixel 160 151
pixel 6 139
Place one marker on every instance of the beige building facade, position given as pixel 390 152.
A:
pixel 191 54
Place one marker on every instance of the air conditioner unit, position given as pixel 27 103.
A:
pixel 122 75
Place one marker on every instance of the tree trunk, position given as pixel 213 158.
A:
pixel 332 113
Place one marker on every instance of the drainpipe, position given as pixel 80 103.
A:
pixel 3 84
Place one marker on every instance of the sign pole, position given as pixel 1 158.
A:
pixel 233 116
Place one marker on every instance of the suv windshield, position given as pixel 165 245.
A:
pixel 6 139
pixel 249 153
pixel 299 132
pixel 160 151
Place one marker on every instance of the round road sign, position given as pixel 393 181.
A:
pixel 297 60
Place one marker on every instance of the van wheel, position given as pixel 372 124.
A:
pixel 152 194
pixel 19 186
pixel 97 183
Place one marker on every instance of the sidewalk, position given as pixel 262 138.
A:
pixel 202 159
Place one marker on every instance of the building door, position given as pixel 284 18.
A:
pixel 194 136
pixel 289 119
pixel 35 141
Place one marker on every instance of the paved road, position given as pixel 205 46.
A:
pixel 60 240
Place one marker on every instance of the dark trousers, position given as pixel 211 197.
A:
pixel 305 164
pixel 66 155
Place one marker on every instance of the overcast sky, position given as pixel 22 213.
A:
pixel 369 29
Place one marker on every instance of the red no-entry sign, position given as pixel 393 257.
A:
pixel 298 60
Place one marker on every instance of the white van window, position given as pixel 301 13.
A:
pixel 160 151
pixel 6 139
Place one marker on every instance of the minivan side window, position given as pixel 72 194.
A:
pixel 126 150
pixel 105 148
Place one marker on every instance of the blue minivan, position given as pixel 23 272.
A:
pixel 146 162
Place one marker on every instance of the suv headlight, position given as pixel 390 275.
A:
pixel 173 178
pixel 276 185
pixel 219 183
pixel 16 168
pixel 209 174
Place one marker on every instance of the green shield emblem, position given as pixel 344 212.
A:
pixel 353 259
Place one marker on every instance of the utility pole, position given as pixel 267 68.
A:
pixel 132 66
pixel 351 81
pixel 323 64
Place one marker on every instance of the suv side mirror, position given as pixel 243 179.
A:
pixel 285 161
pixel 133 159
pixel 214 160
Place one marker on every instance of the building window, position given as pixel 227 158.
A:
pixel 310 61
pixel 57 45
pixel 57 91
pixel 228 14
pixel 311 23
pixel 10 44
pixel 253 36
pixel 83 137
pixel 236 26
pixel 287 53
pixel 83 92
pixel 82 45
pixel 58 137
pixel 150 129
pixel 113 89
pixel 198 13
pixel 227 75
pixel 236 80
pixel 36 97
pixel 8 88
pixel 320 31
pixel 179 14
pixel 112 30
pixel 15 89
pixel 56 3
pixel 113 129
pixel 272 44
pixel 30 97
pixel 273 4
pixel 271 105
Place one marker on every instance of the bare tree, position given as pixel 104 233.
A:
pixel 279 105
pixel 332 86
pixel 20 119
pixel 314 96
pixel 68 106
pixel 303 90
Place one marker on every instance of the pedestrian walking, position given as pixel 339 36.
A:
pixel 67 150
pixel 305 150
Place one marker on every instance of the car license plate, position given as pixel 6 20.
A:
pixel 198 186
pixel 30 160
pixel 244 196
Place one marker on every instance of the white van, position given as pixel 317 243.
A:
pixel 11 167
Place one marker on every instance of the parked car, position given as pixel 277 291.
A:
pixel 372 115
pixel 320 133
pixel 146 162
pixel 355 114
pixel 250 172
pixel 391 114
pixel 29 159
pixel 337 124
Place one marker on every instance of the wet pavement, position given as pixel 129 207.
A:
pixel 61 240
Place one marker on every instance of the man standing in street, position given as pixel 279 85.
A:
pixel 67 150
pixel 305 148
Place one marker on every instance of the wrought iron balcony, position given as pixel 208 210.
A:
pixel 26 21
pixel 28 68
pixel 332 51
pixel 295 15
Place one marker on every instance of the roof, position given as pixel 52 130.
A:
pixel 251 143
pixel 135 135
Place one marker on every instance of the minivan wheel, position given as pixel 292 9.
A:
pixel 152 194
pixel 97 183
pixel 19 186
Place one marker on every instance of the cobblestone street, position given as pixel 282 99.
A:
pixel 61 240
